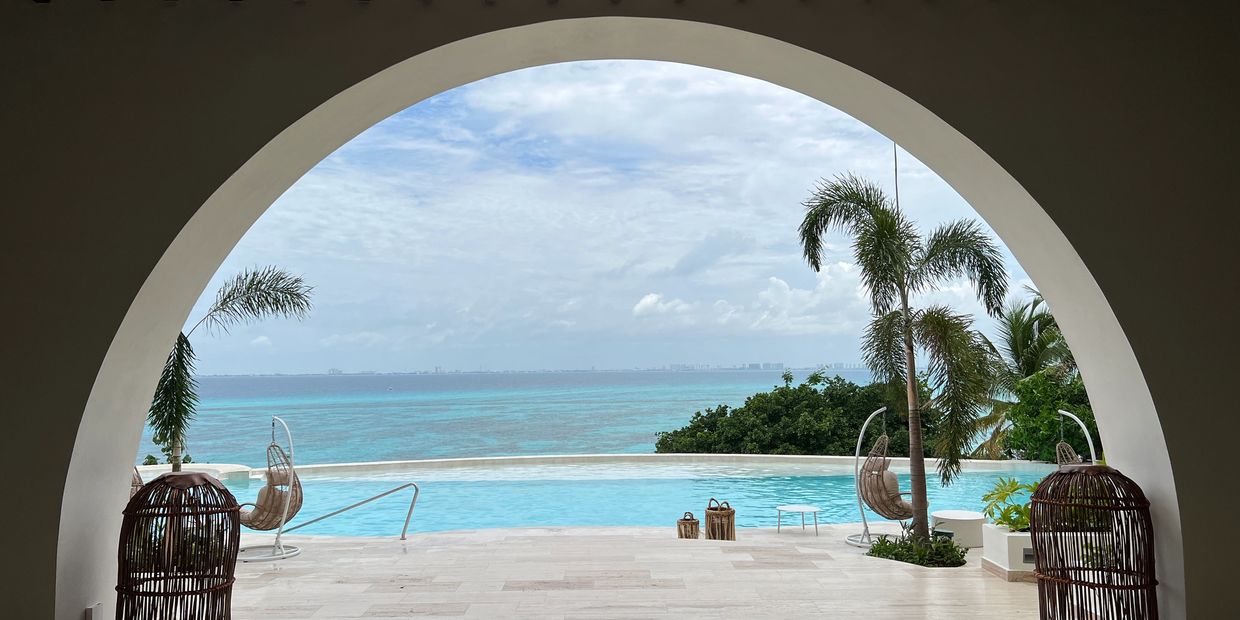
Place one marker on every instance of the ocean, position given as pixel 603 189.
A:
pixel 351 418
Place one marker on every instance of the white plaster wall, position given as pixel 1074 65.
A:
pixel 111 424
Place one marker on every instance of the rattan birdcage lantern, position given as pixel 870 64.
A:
pixel 178 550
pixel 1093 546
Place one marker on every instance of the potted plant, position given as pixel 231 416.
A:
pixel 1007 547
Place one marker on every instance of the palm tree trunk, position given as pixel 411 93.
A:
pixel 175 457
pixel 916 456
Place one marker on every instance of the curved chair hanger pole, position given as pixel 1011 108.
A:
pixel 862 539
pixel 1093 456
pixel 288 496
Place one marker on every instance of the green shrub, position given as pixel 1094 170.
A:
pixel 1035 419
pixel 935 551
pixel 820 416
pixel 1003 505
pixel 150 460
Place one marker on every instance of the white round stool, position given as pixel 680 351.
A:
pixel 965 525
pixel 801 508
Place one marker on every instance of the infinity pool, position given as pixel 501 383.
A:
pixel 601 494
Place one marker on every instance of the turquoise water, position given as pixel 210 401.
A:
pixel 403 417
pixel 349 418
pixel 584 495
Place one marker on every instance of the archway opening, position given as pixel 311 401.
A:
pixel 1126 416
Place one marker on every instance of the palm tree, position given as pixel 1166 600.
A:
pixel 1029 342
pixel 249 296
pixel 897 263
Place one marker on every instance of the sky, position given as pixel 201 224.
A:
pixel 604 214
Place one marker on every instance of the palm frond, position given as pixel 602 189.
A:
pixel 176 395
pixel 961 367
pixel 882 347
pixel 963 249
pixel 255 294
pixel 836 204
pixel 884 240
pixel 993 446
pixel 1004 379
pixel 884 245
pixel 996 425
pixel 1035 294
pixel 1030 337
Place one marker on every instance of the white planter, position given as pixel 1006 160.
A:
pixel 1007 554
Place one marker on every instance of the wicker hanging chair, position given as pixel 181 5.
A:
pixel 267 512
pixel 135 482
pixel 879 487
pixel 1065 454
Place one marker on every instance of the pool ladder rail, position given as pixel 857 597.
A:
pixel 408 515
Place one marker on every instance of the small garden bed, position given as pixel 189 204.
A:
pixel 936 551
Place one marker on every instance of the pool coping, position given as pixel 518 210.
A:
pixel 228 471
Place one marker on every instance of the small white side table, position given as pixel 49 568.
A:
pixel 801 508
pixel 965 525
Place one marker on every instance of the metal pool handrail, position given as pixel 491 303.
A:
pixel 408 515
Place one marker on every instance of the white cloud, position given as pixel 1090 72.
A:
pixel 725 312
pixel 655 303
pixel 261 341
pixel 836 304
pixel 506 212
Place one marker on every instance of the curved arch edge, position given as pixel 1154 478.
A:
pixel 111 422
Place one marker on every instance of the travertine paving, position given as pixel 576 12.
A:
pixel 615 572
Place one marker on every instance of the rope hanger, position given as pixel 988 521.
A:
pixel 895 166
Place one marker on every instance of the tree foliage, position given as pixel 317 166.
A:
pixel 819 416
pixel 176 397
pixel 1035 423
pixel 961 382
pixel 897 263
pixel 252 295
pixel 1028 342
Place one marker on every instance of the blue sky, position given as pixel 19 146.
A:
pixel 609 214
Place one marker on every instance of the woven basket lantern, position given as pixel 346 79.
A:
pixel 687 527
pixel 178 550
pixel 720 520
pixel 1093 544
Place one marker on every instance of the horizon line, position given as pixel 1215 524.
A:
pixel 850 367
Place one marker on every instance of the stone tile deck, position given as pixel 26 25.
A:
pixel 614 572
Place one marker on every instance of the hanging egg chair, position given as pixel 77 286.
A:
pixel 278 501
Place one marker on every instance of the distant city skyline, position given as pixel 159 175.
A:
pixel 673 367
pixel 609 214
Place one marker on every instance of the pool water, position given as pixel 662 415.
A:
pixel 601 494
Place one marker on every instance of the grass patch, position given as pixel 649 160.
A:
pixel 937 551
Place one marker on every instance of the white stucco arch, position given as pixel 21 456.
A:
pixel 111 424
